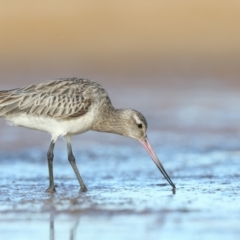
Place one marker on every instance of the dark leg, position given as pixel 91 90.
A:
pixel 50 156
pixel 71 159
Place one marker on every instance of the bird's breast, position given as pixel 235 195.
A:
pixel 56 127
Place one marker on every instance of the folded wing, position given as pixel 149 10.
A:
pixel 58 99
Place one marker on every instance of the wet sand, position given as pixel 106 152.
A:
pixel 195 133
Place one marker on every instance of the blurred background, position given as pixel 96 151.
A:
pixel 135 42
pixel 181 57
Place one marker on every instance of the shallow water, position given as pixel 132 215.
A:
pixel 198 144
pixel 126 199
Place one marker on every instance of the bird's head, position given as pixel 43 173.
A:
pixel 135 126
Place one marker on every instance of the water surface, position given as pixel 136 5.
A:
pixel 197 140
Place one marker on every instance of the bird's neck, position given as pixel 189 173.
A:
pixel 112 121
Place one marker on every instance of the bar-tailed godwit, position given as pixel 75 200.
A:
pixel 70 106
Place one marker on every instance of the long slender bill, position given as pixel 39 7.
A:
pixel 155 159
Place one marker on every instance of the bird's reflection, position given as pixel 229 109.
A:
pixel 73 230
pixel 52 231
pixel 72 234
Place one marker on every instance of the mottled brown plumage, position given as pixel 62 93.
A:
pixel 60 99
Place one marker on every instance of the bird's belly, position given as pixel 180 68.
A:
pixel 53 126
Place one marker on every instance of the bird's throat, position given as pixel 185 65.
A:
pixel 112 121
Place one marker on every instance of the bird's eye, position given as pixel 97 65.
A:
pixel 139 125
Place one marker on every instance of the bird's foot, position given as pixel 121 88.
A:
pixel 51 189
pixel 83 189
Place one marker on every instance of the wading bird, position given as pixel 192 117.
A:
pixel 70 106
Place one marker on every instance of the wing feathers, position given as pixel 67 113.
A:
pixel 59 99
